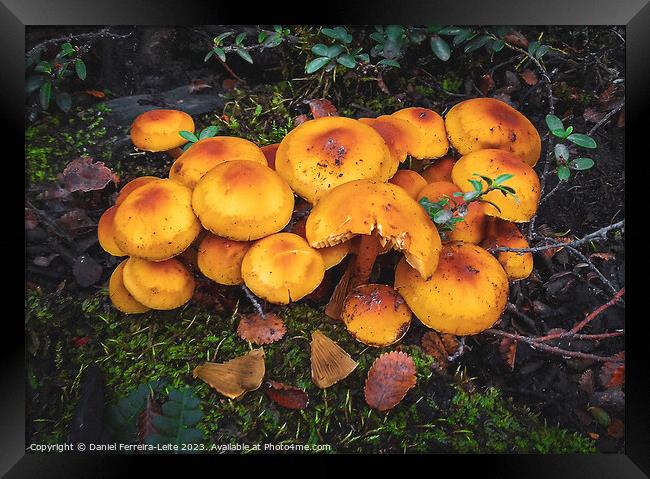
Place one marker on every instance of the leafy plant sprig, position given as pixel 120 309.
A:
pixel 561 150
pixel 207 132
pixel 339 52
pixel 265 39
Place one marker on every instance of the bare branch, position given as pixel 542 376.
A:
pixel 90 36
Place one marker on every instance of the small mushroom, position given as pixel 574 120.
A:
pixel 504 233
pixel 321 154
pixel 243 200
pixel 482 123
pixel 220 259
pixel 282 268
pixel 466 294
pixel 106 232
pixel 205 154
pixel 133 185
pixel 160 285
pixel 119 295
pixel 439 170
pixel 156 221
pixel 158 130
pixel 492 163
pixel 409 180
pixel 472 228
pixel 431 127
pixel 332 255
pixel 400 136
pixel 376 315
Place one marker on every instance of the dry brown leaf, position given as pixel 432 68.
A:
pixel 389 379
pixel 517 39
pixel 261 330
pixel 586 382
pixel 198 85
pixel 451 343
pixel 486 84
pixel 616 429
pixel 607 94
pixel 300 119
pixel 329 362
pixel 290 397
pixel 603 256
pixel 95 93
pixel 84 174
pixel 76 222
pixel 612 375
pixel 434 347
pixel 321 107
pixel 529 77
pixel 235 377
pixel 549 253
pixel 508 351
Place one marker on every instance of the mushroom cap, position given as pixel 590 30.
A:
pixel 205 154
pixel 492 163
pixel 400 136
pixel 472 229
pixel 106 232
pixel 376 315
pixel 504 233
pixel 321 154
pixel 439 170
pixel 158 130
pixel 282 268
pixel 482 123
pixel 120 297
pixel 156 221
pixel 409 180
pixel 431 128
pixel 269 152
pixel 243 200
pixel 133 185
pixel 158 284
pixel 332 255
pixel 361 206
pixel 466 294
pixel 220 259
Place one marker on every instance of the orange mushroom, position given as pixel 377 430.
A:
pixel 400 136
pixel 160 285
pixel 439 170
pixel 506 234
pixel 106 232
pixel 410 181
pixel 431 128
pixel 119 295
pixel 220 259
pixel 158 130
pixel 332 255
pixel 270 152
pixel 133 185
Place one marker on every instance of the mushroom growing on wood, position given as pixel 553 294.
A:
pixel 466 294
pixel 205 154
pixel 482 123
pixel 158 130
pixel 321 154
pixel 243 200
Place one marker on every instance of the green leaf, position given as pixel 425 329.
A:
pixel 34 82
pixel 464 34
pixel 364 57
pixel 80 68
pixel 600 415
pixel 221 37
pixel 208 56
pixel 563 173
pixel 179 414
pixel 347 60
pixel 569 130
pixel 240 38
pixel 208 132
pixel 316 64
pixel 440 48
pixel 532 47
pixel 501 178
pixel 378 37
pixel 506 189
pixel 394 32
pixel 450 30
pixel 389 63
pixel 497 45
pixel 244 54
pixel 277 28
pixel 554 123
pixel 471 195
pixel 63 101
pixel 273 40
pixel 559 133
pixel 561 152
pixel 487 179
pixel 582 140
pixel 338 33
pixel 476 43
pixel 581 163
pixel 45 94
pixel 43 67
pixel 220 53
pixel 541 51
pixel 189 136
pixel 478 186
pixel 334 51
pixel 67 49
pixel 442 216
pixel 261 36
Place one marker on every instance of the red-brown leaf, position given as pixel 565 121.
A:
pixel 290 397
pixel 603 256
pixel 432 345
pixel 321 107
pixel 486 83
pixel 529 77
pixel 300 119
pixel 612 375
pixel 517 39
pixel 508 351
pixel 389 379
pixel 586 382
pixel 261 330
pixel 95 93
pixel 145 419
pixel 84 174
pixel 616 429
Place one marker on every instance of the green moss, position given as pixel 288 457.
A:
pixel 439 414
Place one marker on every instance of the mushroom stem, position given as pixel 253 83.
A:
pixel 358 272
pixel 256 304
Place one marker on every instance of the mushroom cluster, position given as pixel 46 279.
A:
pixel 275 218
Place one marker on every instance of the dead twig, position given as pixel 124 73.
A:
pixel 90 36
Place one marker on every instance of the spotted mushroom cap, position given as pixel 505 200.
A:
pixel 431 128
pixel 363 206
pixel 121 299
pixel 243 200
pixel 321 154
pixel 156 221
pixel 158 130
pixel 282 268
pixel 492 163
pixel 504 233
pixel 400 136
pixel 466 294
pixel 160 285
pixel 133 185
pixel 205 154
pixel 482 123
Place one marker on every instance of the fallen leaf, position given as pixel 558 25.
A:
pixel 593 435
pixel 95 93
pixel 586 381
pixel 31 220
pixel 451 342
pixel 508 351
pixel 600 415
pixel 84 174
pixel 616 429
pixel 549 253
pixel 76 223
pixel 86 270
pixel 329 362
pixel 529 77
pixel 261 330
pixel 290 397
pixel 603 256
pixel 432 345
pixel 300 119
pixel 486 84
pixel 321 107
pixel 593 115
pixel 612 374
pixel 229 83
pixel 236 377
pixel 198 86
pixel 517 39
pixel 391 376
pixel 145 419
pixel 607 94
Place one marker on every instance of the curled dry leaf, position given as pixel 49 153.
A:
pixel 261 330
pixel 508 351
pixel 586 381
pixel 549 253
pixel 432 345
pixel 84 174
pixel 389 379
pixel 329 362
pixel 235 377
pixel 290 397
pixel 321 107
